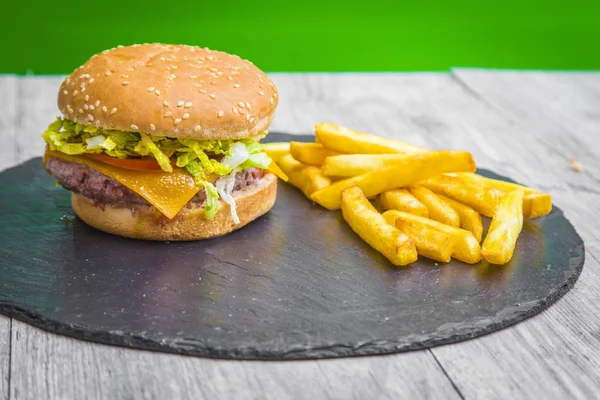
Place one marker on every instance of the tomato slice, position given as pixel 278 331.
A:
pixel 138 164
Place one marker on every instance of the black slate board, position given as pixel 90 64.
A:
pixel 295 284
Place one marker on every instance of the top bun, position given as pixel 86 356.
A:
pixel 170 90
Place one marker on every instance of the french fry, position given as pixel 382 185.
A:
pixel 403 200
pixel 349 141
pixel 439 210
pixel 499 244
pixel 466 246
pixel 483 199
pixel 276 150
pixel 412 169
pixel 429 242
pixel 274 169
pixel 358 164
pixel 469 218
pixel 310 153
pixel 307 178
pixel 373 228
pixel 535 203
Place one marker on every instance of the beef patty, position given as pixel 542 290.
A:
pixel 80 178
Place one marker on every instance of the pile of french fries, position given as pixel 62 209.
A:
pixel 433 199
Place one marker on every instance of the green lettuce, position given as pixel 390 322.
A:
pixel 196 156
pixel 212 200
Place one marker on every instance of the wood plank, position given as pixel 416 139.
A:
pixel 5 325
pixel 36 110
pixel 51 366
pixel 551 355
pixel 552 104
pixel 8 118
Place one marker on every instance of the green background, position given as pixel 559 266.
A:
pixel 45 37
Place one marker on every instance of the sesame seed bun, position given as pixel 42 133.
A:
pixel 170 90
pixel 146 222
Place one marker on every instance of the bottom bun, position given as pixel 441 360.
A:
pixel 146 222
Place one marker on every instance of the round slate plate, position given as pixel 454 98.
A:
pixel 296 283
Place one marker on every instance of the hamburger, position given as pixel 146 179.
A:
pixel 161 142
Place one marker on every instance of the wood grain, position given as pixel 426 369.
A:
pixel 8 120
pixel 4 357
pixel 552 355
pixel 55 367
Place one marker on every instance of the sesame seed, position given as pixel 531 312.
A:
pixel 130 69
pixel 166 103
pixel 220 114
pixel 97 103
pixel 197 85
pixel 193 77
pixel 212 69
pixel 90 117
pixel 152 127
pixel 237 85
pixel 230 77
pixel 241 104
pixel 97 122
pixel 167 114
pixel 104 108
pixel 114 110
pixel 91 80
pixel 86 107
pixel 247 116
pixel 235 110
pixel 75 92
pixel 248 106
pixel 174 66
pixel 80 111
pixel 108 73
pixel 188 104
pixel 197 128
pixel 275 95
pixel 186 115
pixel 124 83
pixel 151 88
pixel 65 92
pixel 213 82
pixel 252 120
pixel 173 76
pixel 92 107
pixel 177 121
pixel 180 103
pixel 82 89
pixel 134 127
pixel 261 93
pixel 176 130
pixel 124 76
pixel 202 91
pixel 272 100
pixel 87 97
pixel 212 96
pixel 157 92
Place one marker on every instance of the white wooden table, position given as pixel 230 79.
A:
pixel 525 125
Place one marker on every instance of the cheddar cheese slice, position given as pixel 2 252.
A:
pixel 169 192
